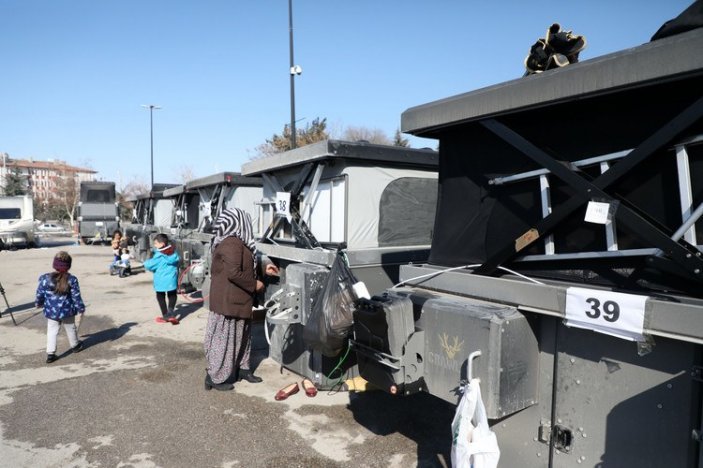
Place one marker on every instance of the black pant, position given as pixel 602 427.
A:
pixel 161 299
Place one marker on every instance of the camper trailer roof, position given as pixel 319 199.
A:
pixel 659 62
pixel 158 189
pixel 332 149
pixel 157 192
pixel 174 191
pixel 226 178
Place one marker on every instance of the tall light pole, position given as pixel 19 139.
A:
pixel 151 108
pixel 294 70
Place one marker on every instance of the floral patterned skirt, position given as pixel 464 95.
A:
pixel 227 346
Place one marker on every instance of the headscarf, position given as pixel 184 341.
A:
pixel 234 222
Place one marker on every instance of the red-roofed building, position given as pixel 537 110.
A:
pixel 44 178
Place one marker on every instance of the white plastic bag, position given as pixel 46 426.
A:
pixel 474 445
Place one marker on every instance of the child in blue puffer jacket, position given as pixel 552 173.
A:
pixel 60 296
pixel 164 265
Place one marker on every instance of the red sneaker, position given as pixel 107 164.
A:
pixel 160 320
pixel 173 320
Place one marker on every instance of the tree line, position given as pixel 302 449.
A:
pixel 317 131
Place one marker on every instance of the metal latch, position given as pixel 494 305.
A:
pixel 562 437
pixel 697 373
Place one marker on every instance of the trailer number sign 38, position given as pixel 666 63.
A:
pixel 616 314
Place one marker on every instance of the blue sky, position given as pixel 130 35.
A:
pixel 76 72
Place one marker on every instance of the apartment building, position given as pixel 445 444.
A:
pixel 45 179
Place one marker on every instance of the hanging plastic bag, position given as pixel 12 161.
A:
pixel 332 314
pixel 474 445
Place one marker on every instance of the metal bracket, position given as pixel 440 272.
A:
pixel 277 311
pixel 469 364
pixel 697 373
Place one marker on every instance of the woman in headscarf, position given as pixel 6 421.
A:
pixel 232 288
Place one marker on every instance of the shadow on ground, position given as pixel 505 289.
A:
pixel 420 417
pixel 109 334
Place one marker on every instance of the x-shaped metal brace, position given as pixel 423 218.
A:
pixel 302 234
pixel 686 257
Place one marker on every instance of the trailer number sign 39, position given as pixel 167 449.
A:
pixel 616 314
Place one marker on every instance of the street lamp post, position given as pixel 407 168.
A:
pixel 294 70
pixel 151 108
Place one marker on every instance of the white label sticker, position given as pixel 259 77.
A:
pixel 616 314
pixel 283 204
pixel 597 212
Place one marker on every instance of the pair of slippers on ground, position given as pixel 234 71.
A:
pixel 294 388
pixel 171 320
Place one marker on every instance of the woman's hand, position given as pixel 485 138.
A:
pixel 259 286
pixel 271 270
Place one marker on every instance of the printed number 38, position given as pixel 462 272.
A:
pixel 281 205
pixel 610 310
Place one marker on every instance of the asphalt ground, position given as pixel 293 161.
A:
pixel 135 396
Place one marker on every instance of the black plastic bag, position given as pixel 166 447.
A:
pixel 332 314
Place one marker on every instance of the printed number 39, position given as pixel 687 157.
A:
pixel 611 310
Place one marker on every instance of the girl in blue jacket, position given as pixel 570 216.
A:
pixel 164 265
pixel 60 296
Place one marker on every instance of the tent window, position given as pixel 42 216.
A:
pixel 99 196
pixel 406 212
pixel 10 213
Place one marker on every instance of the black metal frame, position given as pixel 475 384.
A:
pixel 680 257
pixel 301 232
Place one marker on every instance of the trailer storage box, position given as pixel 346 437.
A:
pixel 302 283
pixel 417 340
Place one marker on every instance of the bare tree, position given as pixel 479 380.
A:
pixel 372 135
pixel 65 196
pixel 185 174
pixel 133 189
